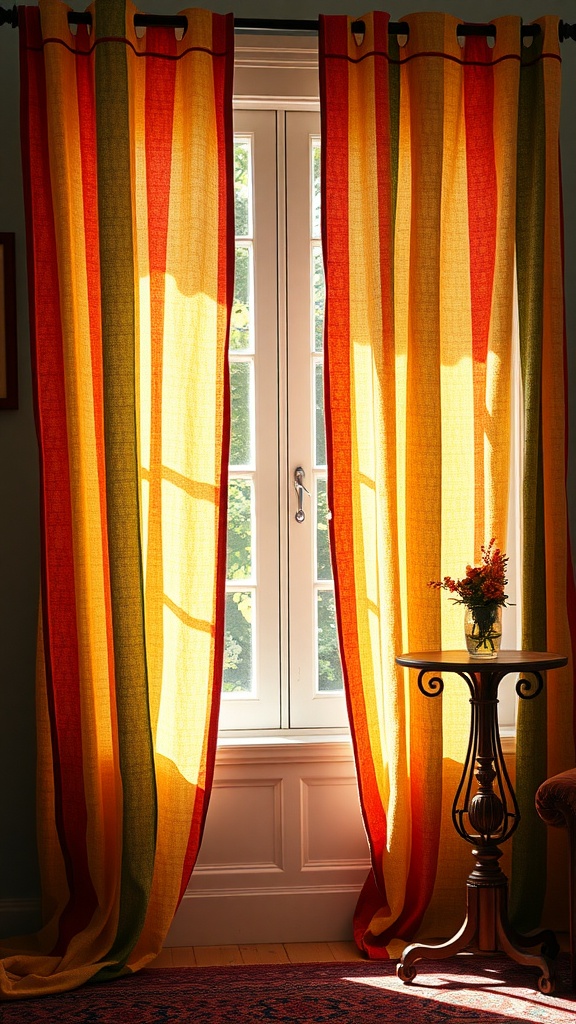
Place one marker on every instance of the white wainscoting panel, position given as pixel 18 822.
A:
pixel 284 854
pixel 236 802
pixel 331 839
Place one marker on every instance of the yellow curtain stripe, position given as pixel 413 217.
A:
pixel 372 373
pixel 99 742
pixel 188 542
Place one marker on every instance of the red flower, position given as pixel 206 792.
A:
pixel 483 584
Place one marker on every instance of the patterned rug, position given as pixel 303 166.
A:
pixel 461 990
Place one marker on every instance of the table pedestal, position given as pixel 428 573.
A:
pixel 485 813
pixel 487 929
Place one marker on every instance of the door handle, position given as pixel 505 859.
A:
pixel 299 487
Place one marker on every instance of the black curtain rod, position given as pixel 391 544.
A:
pixel 10 16
pixel 278 26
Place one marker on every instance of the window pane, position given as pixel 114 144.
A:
pixel 242 189
pixel 320 442
pixel 239 530
pixel 318 287
pixel 315 188
pixel 323 565
pixel 241 322
pixel 238 661
pixel 241 392
pixel 328 657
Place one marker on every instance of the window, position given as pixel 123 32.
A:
pixel 282 667
pixel 281 663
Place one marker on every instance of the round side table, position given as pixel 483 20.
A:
pixel 485 810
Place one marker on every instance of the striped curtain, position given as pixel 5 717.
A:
pixel 440 175
pixel 127 152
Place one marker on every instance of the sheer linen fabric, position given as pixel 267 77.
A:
pixel 127 145
pixel 431 147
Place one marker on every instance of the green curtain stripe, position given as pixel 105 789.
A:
pixel 122 484
pixel 529 848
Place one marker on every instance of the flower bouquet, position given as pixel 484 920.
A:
pixel 482 593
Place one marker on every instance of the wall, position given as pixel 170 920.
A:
pixel 19 884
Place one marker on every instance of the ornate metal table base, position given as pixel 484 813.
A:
pixel 485 811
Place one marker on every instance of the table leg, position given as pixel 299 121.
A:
pixel 485 812
pixel 545 939
pixel 486 930
pixel 546 979
pixel 437 951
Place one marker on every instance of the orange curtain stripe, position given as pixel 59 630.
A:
pixel 420 229
pixel 127 146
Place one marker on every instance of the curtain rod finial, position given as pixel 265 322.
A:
pixel 566 31
pixel 9 17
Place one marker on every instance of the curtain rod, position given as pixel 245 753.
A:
pixel 279 26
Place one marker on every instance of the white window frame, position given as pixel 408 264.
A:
pixel 272 79
pixel 274 76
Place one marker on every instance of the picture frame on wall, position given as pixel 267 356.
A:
pixel 8 345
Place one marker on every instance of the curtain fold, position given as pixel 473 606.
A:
pixel 545 740
pixel 127 156
pixel 427 190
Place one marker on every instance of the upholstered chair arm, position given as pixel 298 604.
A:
pixel 556 805
pixel 556 799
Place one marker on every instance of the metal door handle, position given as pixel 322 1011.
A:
pixel 299 487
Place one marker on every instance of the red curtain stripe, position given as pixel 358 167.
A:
pixel 421 239
pixel 131 277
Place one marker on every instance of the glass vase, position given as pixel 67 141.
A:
pixel 483 630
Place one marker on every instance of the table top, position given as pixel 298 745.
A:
pixel 511 660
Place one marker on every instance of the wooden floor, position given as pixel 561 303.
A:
pixel 274 953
